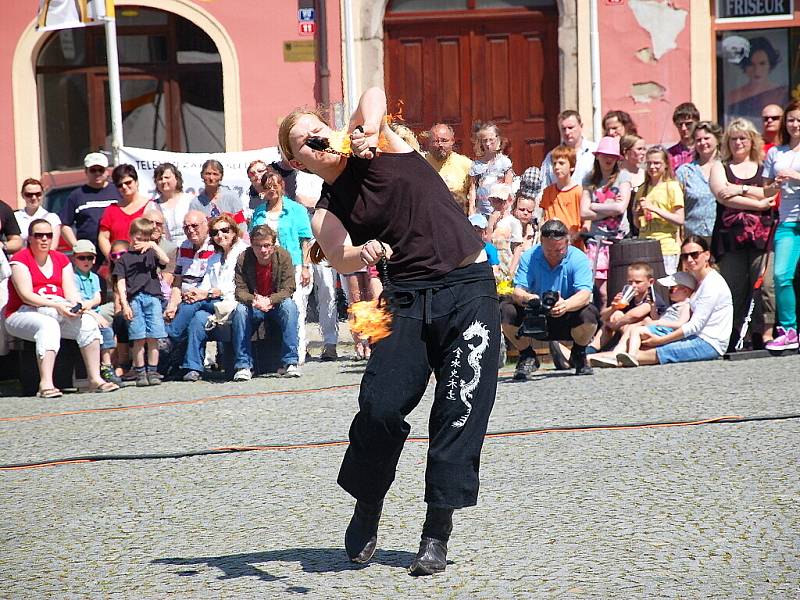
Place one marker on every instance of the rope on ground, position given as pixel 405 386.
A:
pixel 729 419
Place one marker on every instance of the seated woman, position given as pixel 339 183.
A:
pixel 706 335
pixel 219 282
pixel 44 306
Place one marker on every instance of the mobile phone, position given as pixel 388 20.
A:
pixel 76 309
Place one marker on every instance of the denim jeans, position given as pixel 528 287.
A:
pixel 198 336
pixel 147 322
pixel 176 329
pixel 787 253
pixel 284 316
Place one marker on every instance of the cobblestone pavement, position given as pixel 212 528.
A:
pixel 709 511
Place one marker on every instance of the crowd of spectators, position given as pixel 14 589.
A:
pixel 151 280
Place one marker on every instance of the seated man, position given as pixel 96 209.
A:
pixel 553 268
pixel 265 283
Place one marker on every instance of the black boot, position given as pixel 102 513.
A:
pixel 361 536
pixel 432 555
pixel 577 357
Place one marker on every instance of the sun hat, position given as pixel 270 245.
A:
pixel 608 145
pixel 84 247
pixel 530 184
pixel 679 278
pixel 500 190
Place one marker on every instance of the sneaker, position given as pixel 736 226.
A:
pixel 625 360
pixel 785 340
pixel 604 362
pixel 289 371
pixel 141 379
pixel 329 353
pixel 242 375
pixel 153 378
pixel 130 375
pixel 192 376
pixel 526 366
pixel 108 374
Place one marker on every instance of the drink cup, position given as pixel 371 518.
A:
pixel 626 295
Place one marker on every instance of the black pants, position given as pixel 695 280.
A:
pixel 559 329
pixel 454 332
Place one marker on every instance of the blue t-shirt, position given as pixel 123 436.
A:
pixel 491 253
pixel 293 226
pixel 572 274
pixel 88 285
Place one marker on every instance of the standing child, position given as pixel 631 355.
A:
pixel 88 284
pixel 660 207
pixel 562 200
pixel 139 290
pixel 490 167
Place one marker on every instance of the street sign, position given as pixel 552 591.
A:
pixel 306 27
pixel 305 14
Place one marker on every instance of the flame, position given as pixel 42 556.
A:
pixel 368 319
pixel 398 116
pixel 340 141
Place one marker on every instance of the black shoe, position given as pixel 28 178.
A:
pixel 361 537
pixel 577 357
pixel 431 558
pixel 559 360
pixel 526 366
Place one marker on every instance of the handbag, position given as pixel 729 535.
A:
pixel 223 311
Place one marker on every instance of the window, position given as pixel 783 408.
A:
pixel 171 86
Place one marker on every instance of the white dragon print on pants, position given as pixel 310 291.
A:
pixel 465 389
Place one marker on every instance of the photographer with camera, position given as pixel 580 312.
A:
pixel 552 301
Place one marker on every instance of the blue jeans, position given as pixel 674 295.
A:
pixel 108 338
pixel 689 349
pixel 787 253
pixel 284 316
pixel 147 322
pixel 198 336
pixel 176 329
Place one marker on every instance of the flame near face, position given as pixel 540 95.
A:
pixel 367 319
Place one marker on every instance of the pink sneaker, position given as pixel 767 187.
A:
pixel 786 340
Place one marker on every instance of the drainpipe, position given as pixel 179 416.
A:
pixel 594 51
pixel 323 72
pixel 351 95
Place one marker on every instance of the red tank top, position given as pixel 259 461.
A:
pixel 44 286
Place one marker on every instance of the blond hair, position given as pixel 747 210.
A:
pixel 745 126
pixel 289 121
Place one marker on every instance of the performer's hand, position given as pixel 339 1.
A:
pixel 372 252
pixel 360 144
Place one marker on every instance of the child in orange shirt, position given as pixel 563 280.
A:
pixel 562 200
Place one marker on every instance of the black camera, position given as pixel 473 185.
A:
pixel 534 321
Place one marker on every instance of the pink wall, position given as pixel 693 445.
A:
pixel 270 88
pixel 622 38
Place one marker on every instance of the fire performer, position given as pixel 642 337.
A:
pixel 392 204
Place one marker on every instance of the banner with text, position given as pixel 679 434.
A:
pixel 234 165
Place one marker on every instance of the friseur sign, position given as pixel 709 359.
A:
pixel 755 9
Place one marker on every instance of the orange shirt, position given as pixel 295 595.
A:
pixel 564 205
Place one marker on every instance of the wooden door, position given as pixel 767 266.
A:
pixel 462 67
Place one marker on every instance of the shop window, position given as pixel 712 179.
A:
pixel 171 86
pixel 755 69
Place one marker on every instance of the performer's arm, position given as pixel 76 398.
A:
pixel 339 250
pixel 371 117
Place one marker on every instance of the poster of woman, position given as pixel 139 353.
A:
pixel 755 72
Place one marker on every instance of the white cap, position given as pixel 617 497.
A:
pixel 95 159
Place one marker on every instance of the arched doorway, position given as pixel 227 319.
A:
pixel 462 61
pixel 171 84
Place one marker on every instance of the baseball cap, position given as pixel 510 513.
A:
pixel 679 278
pixel 500 190
pixel 554 229
pixel 84 247
pixel 95 159
pixel 530 184
pixel 478 220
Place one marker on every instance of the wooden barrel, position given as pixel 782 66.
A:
pixel 626 252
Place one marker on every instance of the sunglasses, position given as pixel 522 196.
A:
pixel 192 226
pixel 555 235
pixel 123 184
pixel 97 170
pixel 220 230
pixel 83 256
pixel 768 118
pixel 40 235
pixel 116 255
pixel 694 255
pixel 32 194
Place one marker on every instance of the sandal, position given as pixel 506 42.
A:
pixel 50 393
pixel 106 386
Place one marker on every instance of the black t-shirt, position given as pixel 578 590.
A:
pixel 399 199
pixel 84 208
pixel 140 271
pixel 8 222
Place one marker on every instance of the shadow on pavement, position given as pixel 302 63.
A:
pixel 312 560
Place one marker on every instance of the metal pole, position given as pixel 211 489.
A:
pixel 594 51
pixel 114 94
pixel 349 58
pixel 324 73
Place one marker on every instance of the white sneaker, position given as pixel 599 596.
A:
pixel 291 371
pixel 242 375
